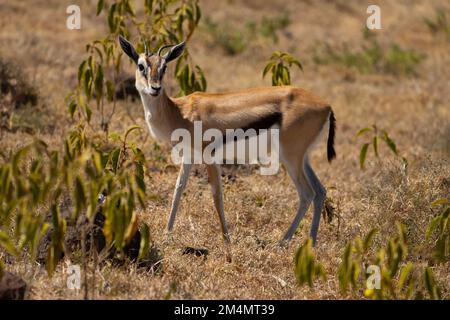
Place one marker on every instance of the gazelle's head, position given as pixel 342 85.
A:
pixel 151 67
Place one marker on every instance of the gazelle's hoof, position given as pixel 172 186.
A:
pixel 169 239
pixel 283 244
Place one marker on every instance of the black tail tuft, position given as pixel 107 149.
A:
pixel 331 154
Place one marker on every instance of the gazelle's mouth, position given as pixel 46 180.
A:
pixel 152 92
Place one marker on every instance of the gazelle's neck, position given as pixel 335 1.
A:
pixel 162 115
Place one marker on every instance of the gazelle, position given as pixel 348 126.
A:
pixel 299 115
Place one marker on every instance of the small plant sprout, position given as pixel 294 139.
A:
pixel 279 65
pixel 307 269
pixel 440 225
pixel 376 135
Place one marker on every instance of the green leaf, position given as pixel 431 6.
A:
pixel 404 273
pixel 268 67
pixel 81 68
pixel 87 83
pixel 431 285
pixel 131 129
pixel 375 145
pixel 129 8
pixel 298 64
pixel 441 202
pixel 72 108
pixel 145 241
pixel 110 91
pixel 432 226
pixel 88 113
pixel 115 155
pixel 115 137
pixel 100 5
pixel 363 154
pixel 98 83
pixel 111 21
pixel 390 143
pixel 7 244
pixel 368 239
pixel 363 131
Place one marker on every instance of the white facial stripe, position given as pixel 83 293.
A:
pixel 161 69
pixel 143 62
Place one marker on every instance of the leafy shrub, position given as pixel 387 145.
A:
pixel 270 26
pixel 230 39
pixel 439 24
pixel 377 135
pixel 36 177
pixel 306 267
pixel 399 61
pixel 440 225
pixel 234 40
pixel 373 58
pixel 15 90
pixel 399 278
pixel 279 66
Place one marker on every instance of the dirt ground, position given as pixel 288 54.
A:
pixel 415 110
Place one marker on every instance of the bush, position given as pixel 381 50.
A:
pixel 15 90
pixel 230 39
pixel 373 58
pixel 235 40
pixel 439 24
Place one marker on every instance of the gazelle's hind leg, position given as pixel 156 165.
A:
pixel 319 198
pixel 305 192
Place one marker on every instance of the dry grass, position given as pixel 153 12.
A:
pixel 415 111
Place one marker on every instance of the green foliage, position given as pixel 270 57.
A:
pixel 164 22
pixel 352 261
pixel 235 40
pixel 440 226
pixel 279 66
pixel 306 267
pixel 398 61
pixel 375 136
pixel 398 278
pixel 373 58
pixel 36 178
pixel 269 26
pixel 232 40
pixel 15 88
pixel 439 24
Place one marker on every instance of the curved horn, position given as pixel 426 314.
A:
pixel 145 48
pixel 164 47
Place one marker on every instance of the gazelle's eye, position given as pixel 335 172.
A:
pixel 141 67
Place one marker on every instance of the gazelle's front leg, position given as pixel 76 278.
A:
pixel 181 184
pixel 216 185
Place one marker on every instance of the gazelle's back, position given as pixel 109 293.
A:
pixel 244 107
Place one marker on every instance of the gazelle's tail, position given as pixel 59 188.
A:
pixel 331 153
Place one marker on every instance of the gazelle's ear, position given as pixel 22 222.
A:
pixel 128 48
pixel 175 52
